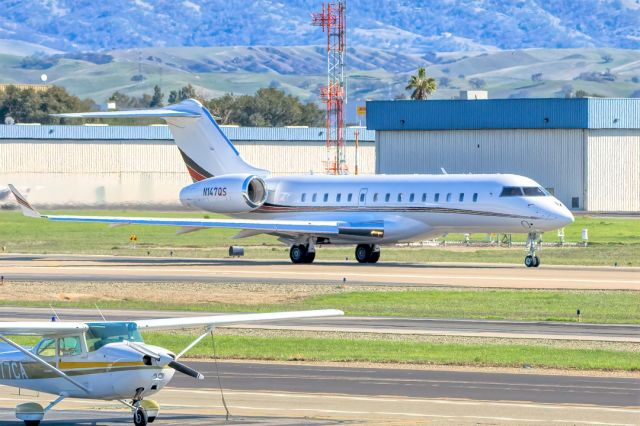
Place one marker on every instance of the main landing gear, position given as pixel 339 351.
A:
pixel 367 253
pixel 301 253
pixel 531 260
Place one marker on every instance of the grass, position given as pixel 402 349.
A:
pixel 321 349
pixel 611 242
pixel 611 307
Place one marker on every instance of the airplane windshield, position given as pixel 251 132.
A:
pixel 100 334
pixel 527 191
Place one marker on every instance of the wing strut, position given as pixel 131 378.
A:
pixel 39 360
pixel 195 342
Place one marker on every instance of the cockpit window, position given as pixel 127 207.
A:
pixel 511 191
pixel 534 191
pixel 47 347
pixel 100 334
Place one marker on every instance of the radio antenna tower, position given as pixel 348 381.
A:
pixel 332 21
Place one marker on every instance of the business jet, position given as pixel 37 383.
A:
pixel 106 360
pixel 307 211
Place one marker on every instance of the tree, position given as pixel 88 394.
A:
pixel 180 95
pixel 607 58
pixel 421 85
pixel 156 99
pixel 444 81
pixel 536 77
pixel 27 105
pixel 477 83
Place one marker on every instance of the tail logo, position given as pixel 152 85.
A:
pixel 196 172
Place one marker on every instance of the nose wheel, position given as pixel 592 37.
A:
pixel 531 260
pixel 140 417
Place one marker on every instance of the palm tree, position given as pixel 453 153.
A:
pixel 422 85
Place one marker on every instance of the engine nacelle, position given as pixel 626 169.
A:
pixel 233 193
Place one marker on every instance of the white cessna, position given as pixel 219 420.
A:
pixel 105 360
pixel 310 210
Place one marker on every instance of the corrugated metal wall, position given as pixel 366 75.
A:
pixel 139 171
pixel 613 170
pixel 554 158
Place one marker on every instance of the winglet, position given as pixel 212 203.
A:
pixel 27 210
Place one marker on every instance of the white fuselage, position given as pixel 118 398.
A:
pixel 411 207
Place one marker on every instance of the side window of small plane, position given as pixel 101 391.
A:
pixel 47 347
pixel 461 197
pixel 303 198
pixel 448 197
pixel 412 197
pixel 424 197
pixel 338 197
pixel 475 197
pixel 70 346
pixel 375 197
pixel 314 197
pixel 349 197
pixel 436 197
pixel 362 197
pixel 387 197
pixel 326 197
pixel 400 197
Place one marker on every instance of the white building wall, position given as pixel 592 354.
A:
pixel 554 158
pixel 73 172
pixel 613 170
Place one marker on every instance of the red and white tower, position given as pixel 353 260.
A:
pixel 332 21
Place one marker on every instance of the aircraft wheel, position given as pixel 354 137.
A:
pixel 536 261
pixel 374 256
pixel 529 261
pixel 140 417
pixel 363 253
pixel 310 257
pixel 298 253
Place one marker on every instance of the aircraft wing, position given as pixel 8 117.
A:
pixel 34 328
pixel 212 321
pixel 315 227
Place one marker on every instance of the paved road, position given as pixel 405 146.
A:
pixel 284 394
pixel 109 268
pixel 395 325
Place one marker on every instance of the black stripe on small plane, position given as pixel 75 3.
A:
pixel 197 173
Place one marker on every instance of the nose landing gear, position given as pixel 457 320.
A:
pixel 531 260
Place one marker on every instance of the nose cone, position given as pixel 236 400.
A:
pixel 560 216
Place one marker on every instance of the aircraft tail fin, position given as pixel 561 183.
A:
pixel 26 208
pixel 205 149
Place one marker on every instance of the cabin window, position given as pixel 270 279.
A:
pixel 461 197
pixel 400 197
pixel 436 197
pixel 326 197
pixel 70 346
pixel 511 191
pixel 362 197
pixel 448 197
pixel 349 197
pixel 475 197
pixel 375 197
pixel 47 347
pixel 314 198
pixel 424 197
pixel 412 197
pixel 338 197
pixel 387 197
pixel 303 198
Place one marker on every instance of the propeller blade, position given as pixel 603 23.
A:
pixel 178 366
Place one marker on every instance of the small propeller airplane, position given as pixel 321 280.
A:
pixel 106 360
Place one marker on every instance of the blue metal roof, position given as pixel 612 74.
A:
pixel 311 134
pixel 553 113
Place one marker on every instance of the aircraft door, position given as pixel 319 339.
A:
pixel 362 197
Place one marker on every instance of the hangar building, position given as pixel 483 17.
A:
pixel 585 151
pixel 134 165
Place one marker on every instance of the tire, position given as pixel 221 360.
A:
pixel 374 256
pixel 529 261
pixel 363 253
pixel 536 261
pixel 297 253
pixel 310 257
pixel 140 417
pixel 31 422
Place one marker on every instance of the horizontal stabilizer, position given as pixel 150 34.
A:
pixel 141 113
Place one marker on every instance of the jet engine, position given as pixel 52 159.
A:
pixel 232 193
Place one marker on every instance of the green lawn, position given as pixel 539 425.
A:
pixel 621 307
pixel 611 241
pixel 323 349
